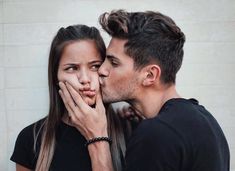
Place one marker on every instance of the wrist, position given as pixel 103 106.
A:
pixel 100 155
pixel 98 147
pixel 96 140
pixel 92 134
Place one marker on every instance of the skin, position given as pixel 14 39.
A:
pixel 137 87
pixel 82 75
pixel 84 118
pixel 21 168
pixel 78 65
pixel 119 81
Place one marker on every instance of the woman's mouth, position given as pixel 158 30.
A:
pixel 89 93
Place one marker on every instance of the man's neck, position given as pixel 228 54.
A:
pixel 150 102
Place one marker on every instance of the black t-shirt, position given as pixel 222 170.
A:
pixel 70 152
pixel 184 136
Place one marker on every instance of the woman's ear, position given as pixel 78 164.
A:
pixel 152 75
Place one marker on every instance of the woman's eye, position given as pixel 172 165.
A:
pixel 95 67
pixel 72 68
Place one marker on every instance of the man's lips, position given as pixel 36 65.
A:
pixel 101 80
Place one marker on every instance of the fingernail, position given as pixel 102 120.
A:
pixel 60 84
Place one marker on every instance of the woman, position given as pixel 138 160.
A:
pixel 53 143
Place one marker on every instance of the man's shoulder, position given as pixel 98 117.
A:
pixel 154 142
pixel 155 131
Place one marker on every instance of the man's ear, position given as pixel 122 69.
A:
pixel 152 75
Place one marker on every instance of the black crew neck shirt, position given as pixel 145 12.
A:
pixel 184 136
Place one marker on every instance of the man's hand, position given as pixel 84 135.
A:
pixel 91 122
pixel 128 112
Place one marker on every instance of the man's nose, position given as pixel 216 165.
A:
pixel 103 70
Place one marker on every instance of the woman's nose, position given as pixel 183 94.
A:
pixel 83 77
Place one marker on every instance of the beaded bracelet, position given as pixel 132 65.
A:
pixel 93 140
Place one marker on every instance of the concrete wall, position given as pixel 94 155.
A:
pixel 28 26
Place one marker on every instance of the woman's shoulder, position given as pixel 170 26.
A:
pixel 24 150
pixel 31 130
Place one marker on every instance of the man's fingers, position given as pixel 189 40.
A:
pixel 76 97
pixel 120 113
pixel 75 84
pixel 69 109
pixel 68 100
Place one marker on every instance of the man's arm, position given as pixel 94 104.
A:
pixel 92 123
pixel 100 156
pixel 21 168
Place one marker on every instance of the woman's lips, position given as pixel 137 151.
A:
pixel 89 93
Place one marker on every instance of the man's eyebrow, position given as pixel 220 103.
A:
pixel 109 56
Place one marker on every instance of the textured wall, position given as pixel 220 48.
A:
pixel 28 26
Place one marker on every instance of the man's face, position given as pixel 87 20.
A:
pixel 118 78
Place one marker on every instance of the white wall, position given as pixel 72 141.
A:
pixel 28 26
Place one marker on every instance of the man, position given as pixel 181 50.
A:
pixel 143 58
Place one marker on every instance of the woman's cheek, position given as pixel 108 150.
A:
pixel 60 75
pixel 71 79
pixel 63 76
pixel 88 100
pixel 95 81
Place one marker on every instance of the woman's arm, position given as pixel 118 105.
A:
pixel 21 168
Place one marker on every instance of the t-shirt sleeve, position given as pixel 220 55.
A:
pixel 23 153
pixel 153 146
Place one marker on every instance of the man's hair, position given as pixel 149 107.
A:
pixel 151 38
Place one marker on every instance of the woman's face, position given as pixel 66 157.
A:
pixel 78 65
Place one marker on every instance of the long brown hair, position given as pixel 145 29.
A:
pixel 57 109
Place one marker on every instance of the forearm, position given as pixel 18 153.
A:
pixel 100 155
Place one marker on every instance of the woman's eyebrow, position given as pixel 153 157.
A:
pixel 72 64
pixel 95 61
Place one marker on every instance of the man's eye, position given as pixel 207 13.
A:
pixel 113 63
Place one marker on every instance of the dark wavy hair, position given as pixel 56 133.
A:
pixel 151 37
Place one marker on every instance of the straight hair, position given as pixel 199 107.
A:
pixel 57 110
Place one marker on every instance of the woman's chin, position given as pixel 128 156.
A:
pixel 89 101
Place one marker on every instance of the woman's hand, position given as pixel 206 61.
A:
pixel 91 122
